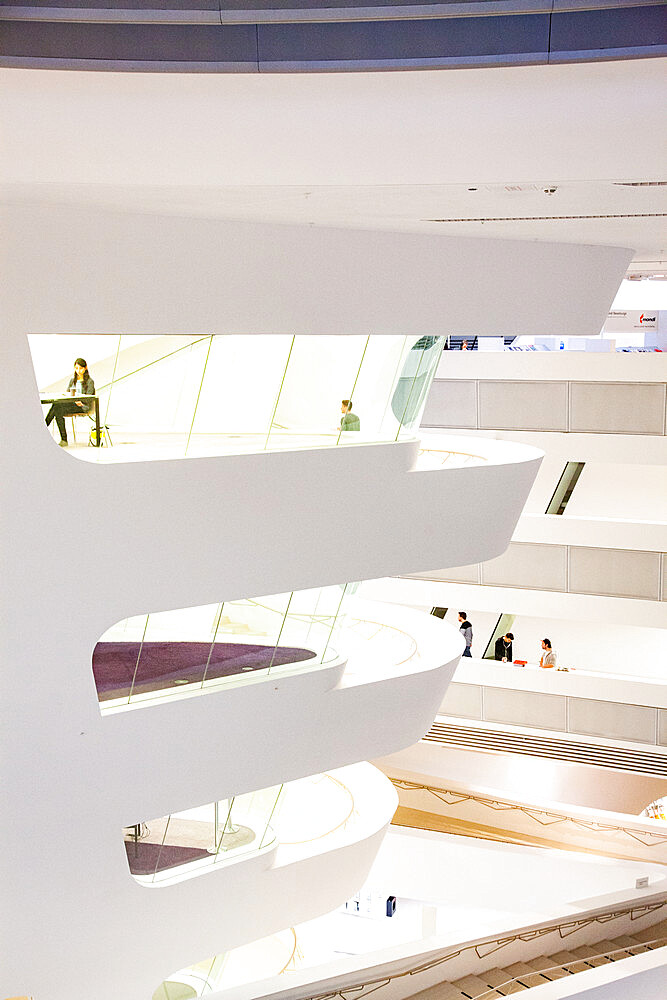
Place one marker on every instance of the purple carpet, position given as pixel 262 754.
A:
pixel 171 664
pixel 146 859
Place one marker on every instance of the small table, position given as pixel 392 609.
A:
pixel 96 406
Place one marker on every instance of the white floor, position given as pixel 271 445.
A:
pixel 135 446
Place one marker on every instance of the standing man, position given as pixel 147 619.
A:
pixel 465 628
pixel 548 658
pixel 503 650
pixel 349 421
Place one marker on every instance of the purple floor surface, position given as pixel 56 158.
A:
pixel 171 664
pixel 146 859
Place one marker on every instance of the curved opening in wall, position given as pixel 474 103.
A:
pixel 205 649
pixel 144 398
pixel 267 957
pixel 296 815
pixel 186 844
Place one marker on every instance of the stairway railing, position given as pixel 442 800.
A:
pixel 563 967
pixel 482 949
pixel 542 817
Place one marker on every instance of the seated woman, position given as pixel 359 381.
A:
pixel 81 384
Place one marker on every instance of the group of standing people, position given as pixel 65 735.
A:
pixel 503 645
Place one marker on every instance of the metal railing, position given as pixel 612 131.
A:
pixel 489 946
pixel 565 967
pixel 543 817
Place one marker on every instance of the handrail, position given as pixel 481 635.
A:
pixel 338 826
pixel 295 948
pixel 564 928
pixel 449 453
pixel 383 627
pixel 563 966
pixel 533 812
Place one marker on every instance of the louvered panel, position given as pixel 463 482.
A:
pixel 596 754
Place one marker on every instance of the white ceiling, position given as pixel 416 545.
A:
pixel 369 150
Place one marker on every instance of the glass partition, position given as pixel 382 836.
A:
pixel 184 843
pixel 178 396
pixel 299 812
pixel 239 390
pixel 189 650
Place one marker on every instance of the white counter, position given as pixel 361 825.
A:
pixel 574 683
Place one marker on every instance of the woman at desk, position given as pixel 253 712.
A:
pixel 80 384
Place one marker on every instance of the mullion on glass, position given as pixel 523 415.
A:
pixel 136 666
pixel 218 619
pixel 280 389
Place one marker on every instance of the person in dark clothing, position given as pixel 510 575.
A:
pixel 80 384
pixel 504 648
pixel 465 628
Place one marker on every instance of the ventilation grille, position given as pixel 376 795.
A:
pixel 598 755
pixel 551 218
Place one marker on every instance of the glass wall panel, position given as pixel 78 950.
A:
pixel 321 372
pixel 300 812
pixel 239 391
pixel 154 388
pixel 188 841
pixel 53 358
pixel 181 652
pixel 177 396
pixel 414 381
pixel 378 377
pixel 149 656
pixel 248 636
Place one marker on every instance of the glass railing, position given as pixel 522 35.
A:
pixel 187 651
pixel 177 396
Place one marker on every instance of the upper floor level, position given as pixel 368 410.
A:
pixel 310 36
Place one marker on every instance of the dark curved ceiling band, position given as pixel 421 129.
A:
pixel 260 36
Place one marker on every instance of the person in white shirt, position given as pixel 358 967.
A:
pixel 548 658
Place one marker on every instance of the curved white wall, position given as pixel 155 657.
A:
pixel 124 271
pixel 137 537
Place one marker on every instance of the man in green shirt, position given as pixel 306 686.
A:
pixel 349 421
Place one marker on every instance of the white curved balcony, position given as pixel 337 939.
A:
pixel 333 515
pixel 136 537
pixel 132 538
pixel 180 753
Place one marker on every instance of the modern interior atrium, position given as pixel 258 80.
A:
pixel 345 317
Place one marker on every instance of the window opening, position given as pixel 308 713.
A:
pixel 503 626
pixel 568 480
